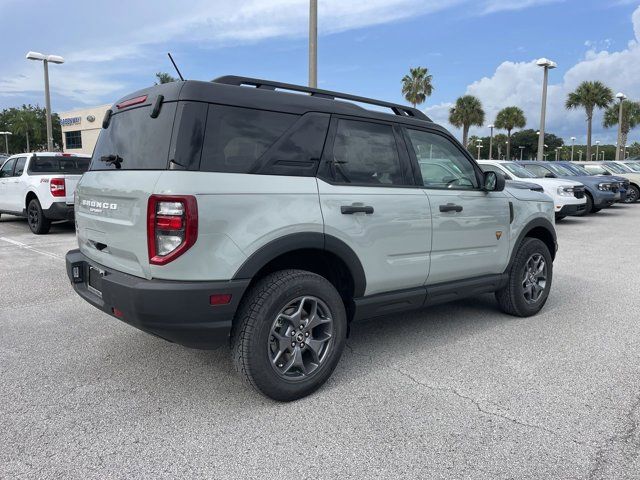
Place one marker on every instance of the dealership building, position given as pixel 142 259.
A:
pixel 80 129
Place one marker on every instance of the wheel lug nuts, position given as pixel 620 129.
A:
pixel 293 344
pixel 280 365
pixel 301 344
pixel 306 334
pixel 293 334
pixel 301 327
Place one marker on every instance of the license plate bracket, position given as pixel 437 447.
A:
pixel 94 281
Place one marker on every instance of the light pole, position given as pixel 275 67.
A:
pixel 491 127
pixel 603 155
pixel 621 98
pixel 6 141
pixel 479 145
pixel 557 153
pixel 597 148
pixel 547 65
pixel 625 152
pixel 46 59
pixel 521 151
pixel 573 144
pixel 579 155
pixel 313 43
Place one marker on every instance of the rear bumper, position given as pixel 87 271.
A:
pixel 573 209
pixel 179 312
pixel 59 211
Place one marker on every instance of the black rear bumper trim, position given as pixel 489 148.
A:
pixel 178 311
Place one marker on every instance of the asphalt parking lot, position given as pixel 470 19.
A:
pixel 457 391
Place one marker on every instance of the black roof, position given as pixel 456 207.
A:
pixel 277 96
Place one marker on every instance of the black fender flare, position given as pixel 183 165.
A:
pixel 535 223
pixel 301 241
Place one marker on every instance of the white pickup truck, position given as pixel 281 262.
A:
pixel 40 186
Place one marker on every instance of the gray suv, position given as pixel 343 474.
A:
pixel 271 216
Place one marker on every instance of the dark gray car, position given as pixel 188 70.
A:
pixel 600 193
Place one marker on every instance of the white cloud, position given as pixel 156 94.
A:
pixel 521 84
pixel 492 6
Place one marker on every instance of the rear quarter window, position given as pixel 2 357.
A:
pixel 237 137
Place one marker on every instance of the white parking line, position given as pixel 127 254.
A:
pixel 29 247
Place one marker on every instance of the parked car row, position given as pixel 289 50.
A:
pixel 577 188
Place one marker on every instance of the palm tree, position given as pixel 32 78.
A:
pixel 416 86
pixel 164 77
pixel 465 113
pixel 507 119
pixel 630 118
pixel 589 95
pixel 25 121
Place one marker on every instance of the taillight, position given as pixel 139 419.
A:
pixel 58 187
pixel 172 226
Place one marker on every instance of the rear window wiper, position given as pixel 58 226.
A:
pixel 116 160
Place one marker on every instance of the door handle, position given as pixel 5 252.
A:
pixel 351 209
pixel 450 207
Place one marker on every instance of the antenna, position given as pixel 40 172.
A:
pixel 176 67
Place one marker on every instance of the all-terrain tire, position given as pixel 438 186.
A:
pixel 259 311
pixel 512 298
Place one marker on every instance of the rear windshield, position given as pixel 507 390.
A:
pixel 44 164
pixel 135 141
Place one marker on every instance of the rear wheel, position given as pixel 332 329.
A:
pixel 633 194
pixel 289 334
pixel 38 223
pixel 529 281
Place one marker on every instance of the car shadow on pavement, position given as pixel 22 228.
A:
pixel 163 369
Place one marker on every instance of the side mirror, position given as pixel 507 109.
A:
pixel 493 182
pixel 607 172
pixel 549 175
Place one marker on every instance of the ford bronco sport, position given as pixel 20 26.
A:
pixel 271 216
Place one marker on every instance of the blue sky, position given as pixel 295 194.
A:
pixel 483 47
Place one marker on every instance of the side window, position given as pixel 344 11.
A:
pixel 442 165
pixel 236 137
pixel 7 168
pixel 538 170
pixel 492 168
pixel 20 166
pixel 366 153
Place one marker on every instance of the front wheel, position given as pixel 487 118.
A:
pixel 289 334
pixel 529 281
pixel 38 223
pixel 633 194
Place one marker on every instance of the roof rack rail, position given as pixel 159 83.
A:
pixel 398 109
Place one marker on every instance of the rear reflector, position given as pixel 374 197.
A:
pixel 132 101
pixel 220 299
pixel 58 187
pixel 117 313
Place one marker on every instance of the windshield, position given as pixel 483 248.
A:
pixel 559 169
pixel 635 166
pixel 58 164
pixel 617 168
pixel 518 171
pixel 596 169
pixel 576 169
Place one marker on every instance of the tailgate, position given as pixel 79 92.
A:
pixel 71 183
pixel 111 218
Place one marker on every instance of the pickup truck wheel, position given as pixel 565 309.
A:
pixel 289 334
pixel 38 223
pixel 529 281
